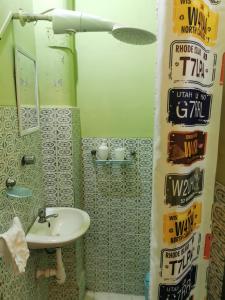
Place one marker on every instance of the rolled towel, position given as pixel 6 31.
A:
pixel 13 247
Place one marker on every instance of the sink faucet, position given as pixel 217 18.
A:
pixel 42 215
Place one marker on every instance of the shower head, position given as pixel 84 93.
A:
pixel 65 21
pixel 134 36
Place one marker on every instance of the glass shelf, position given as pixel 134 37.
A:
pixel 113 162
pixel 18 192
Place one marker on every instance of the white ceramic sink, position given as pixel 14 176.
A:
pixel 70 224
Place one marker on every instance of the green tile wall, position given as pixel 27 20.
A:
pixel 61 148
pixel 12 148
pixel 118 200
pixel 57 148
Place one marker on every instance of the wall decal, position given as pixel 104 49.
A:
pixel 186 147
pixel 175 262
pixel 196 19
pixel 178 226
pixel 181 290
pixel 189 107
pixel 191 62
pixel 181 189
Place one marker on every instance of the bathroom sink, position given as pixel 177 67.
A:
pixel 70 224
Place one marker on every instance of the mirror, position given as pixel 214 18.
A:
pixel 26 92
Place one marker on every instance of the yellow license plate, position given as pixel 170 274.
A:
pixel 195 18
pixel 178 226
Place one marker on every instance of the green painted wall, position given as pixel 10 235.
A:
pixel 116 82
pixel 24 38
pixel 56 59
pixel 56 65
pixel 221 152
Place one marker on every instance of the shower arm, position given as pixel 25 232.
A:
pixel 28 18
pixel 23 18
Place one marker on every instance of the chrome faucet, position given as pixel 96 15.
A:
pixel 42 215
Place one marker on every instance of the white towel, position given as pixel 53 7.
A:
pixel 13 246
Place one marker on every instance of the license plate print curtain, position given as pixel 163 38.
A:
pixel 191 44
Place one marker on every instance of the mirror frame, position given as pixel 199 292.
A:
pixel 22 131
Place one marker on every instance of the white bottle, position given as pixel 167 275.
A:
pixel 119 153
pixel 103 151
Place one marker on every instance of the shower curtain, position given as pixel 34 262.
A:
pixel 191 44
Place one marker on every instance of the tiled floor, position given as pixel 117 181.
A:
pixel 107 296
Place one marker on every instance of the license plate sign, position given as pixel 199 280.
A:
pixel 195 18
pixel 176 262
pixel 178 226
pixel 181 290
pixel 181 189
pixel 191 63
pixel 186 147
pixel 189 107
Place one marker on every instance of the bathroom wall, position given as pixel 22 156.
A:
pixel 12 149
pixel 119 106
pixel 57 79
pixel 61 137
pixel 115 92
pixel 118 200
pixel 56 58
pixel 116 81
pixel 61 150
pixel 15 36
pixel 55 55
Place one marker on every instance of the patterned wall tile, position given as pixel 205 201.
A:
pixel 217 262
pixel 118 200
pixel 56 130
pixel 69 290
pixel 29 117
pixel 12 149
pixel 61 149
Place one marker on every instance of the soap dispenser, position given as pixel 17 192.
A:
pixel 103 151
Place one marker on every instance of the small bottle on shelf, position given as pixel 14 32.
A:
pixel 103 151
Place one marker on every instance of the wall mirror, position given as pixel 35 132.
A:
pixel 26 92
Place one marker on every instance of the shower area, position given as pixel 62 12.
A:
pixel 118 200
pixel 117 110
pixel 89 92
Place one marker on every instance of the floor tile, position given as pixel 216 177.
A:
pixel 102 296
pixel 120 297
pixel 108 296
pixel 90 296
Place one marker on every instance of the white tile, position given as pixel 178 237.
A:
pixel 90 296
pixel 108 296
pixel 102 296
pixel 138 298
pixel 120 297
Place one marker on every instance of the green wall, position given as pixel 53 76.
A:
pixel 116 82
pixel 24 38
pixel 56 61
